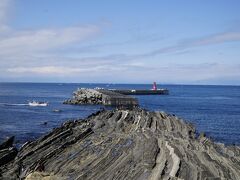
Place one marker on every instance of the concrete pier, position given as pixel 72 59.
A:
pixel 116 99
pixel 110 97
pixel 142 92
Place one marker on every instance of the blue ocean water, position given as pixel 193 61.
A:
pixel 214 110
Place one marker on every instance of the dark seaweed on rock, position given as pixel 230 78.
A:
pixel 125 144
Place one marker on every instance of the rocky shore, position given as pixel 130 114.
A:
pixel 124 144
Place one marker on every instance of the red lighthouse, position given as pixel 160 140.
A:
pixel 154 86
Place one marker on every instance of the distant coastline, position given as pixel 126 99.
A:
pixel 109 83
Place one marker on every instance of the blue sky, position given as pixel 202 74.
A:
pixel 137 41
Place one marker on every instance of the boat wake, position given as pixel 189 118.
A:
pixel 9 104
pixel 31 103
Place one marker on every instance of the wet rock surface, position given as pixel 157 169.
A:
pixel 124 144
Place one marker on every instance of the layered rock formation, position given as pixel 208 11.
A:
pixel 125 144
pixel 7 151
pixel 85 96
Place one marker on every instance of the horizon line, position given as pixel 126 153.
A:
pixel 120 83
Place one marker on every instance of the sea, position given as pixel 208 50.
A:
pixel 212 109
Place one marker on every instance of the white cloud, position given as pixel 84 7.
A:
pixel 193 73
pixel 61 70
pixel 27 54
pixel 23 46
pixel 218 38
pixel 49 70
pixel 4 5
pixel 45 39
pixel 4 8
pixel 173 73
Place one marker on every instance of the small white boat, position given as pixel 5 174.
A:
pixel 36 103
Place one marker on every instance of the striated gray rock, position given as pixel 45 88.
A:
pixel 7 151
pixel 8 143
pixel 7 155
pixel 125 144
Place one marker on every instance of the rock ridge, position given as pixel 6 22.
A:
pixel 124 144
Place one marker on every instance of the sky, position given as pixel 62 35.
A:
pixel 137 41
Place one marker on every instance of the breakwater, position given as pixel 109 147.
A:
pixel 124 144
pixel 85 96
pixel 101 96
pixel 117 99
pixel 142 92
